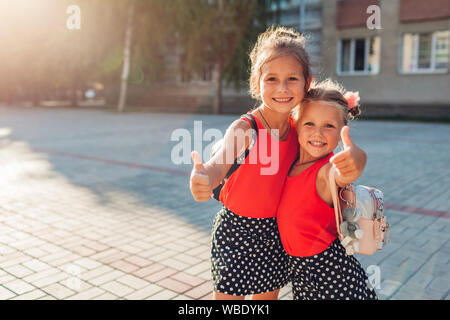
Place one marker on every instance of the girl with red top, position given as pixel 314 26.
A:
pixel 320 268
pixel 246 251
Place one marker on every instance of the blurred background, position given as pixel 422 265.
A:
pixel 192 55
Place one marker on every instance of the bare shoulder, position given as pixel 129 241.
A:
pixel 239 124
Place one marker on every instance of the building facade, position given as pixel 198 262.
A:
pixel 394 52
pixel 399 64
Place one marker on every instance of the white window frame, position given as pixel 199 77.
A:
pixel 352 72
pixel 432 69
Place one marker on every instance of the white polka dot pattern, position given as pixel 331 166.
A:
pixel 247 255
pixel 330 275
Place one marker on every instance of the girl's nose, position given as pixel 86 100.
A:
pixel 283 87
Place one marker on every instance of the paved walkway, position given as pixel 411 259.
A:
pixel 91 207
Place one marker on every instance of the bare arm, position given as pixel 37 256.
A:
pixel 206 177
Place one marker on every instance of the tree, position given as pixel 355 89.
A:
pixel 219 33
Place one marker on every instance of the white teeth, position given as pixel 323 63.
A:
pixel 282 100
pixel 317 143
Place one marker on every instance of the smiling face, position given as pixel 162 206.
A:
pixel 319 128
pixel 282 83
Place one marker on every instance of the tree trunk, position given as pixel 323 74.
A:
pixel 126 61
pixel 217 80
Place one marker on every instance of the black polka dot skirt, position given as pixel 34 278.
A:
pixel 330 275
pixel 247 255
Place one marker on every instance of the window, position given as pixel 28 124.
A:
pixel 425 52
pixel 359 56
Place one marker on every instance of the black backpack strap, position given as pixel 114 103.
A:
pixel 237 163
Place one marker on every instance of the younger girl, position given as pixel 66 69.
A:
pixel 306 219
pixel 246 251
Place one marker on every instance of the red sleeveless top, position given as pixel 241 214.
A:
pixel 254 189
pixel 307 223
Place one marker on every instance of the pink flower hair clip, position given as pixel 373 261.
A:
pixel 352 98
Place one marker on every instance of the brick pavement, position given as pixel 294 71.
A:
pixel 92 208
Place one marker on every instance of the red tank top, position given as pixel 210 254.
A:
pixel 254 189
pixel 307 223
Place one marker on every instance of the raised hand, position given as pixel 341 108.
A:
pixel 350 162
pixel 200 183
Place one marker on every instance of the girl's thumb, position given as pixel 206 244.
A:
pixel 198 164
pixel 345 137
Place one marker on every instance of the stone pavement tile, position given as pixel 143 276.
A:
pixel 107 277
pixel 40 275
pixel 187 259
pixel 4 249
pixel 104 253
pixel 89 294
pixel 36 265
pixel 13 259
pixel 106 296
pixel 174 285
pixel 58 291
pixel 439 285
pixel 51 279
pixel 130 248
pixel 117 288
pixel 183 297
pixel 32 295
pixel 166 254
pixel 5 293
pixel 145 292
pixel 55 255
pixel 81 250
pixel 36 252
pixel 188 279
pixel 414 292
pixel 200 291
pixel 6 277
pixel 64 260
pixel 18 270
pixel 113 257
pixel 138 261
pixel 124 266
pixel 209 296
pixel 18 286
pixel 199 268
pixel 143 272
pixel 159 275
pixel 87 275
pixel 175 264
pixel 163 295
pixel 47 297
pixel 87 263
pixel 132 281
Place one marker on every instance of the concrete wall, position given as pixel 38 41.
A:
pixel 389 87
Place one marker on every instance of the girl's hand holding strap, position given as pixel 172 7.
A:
pixel 350 162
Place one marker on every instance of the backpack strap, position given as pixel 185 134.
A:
pixel 336 203
pixel 236 164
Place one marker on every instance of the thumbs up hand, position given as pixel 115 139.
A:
pixel 200 183
pixel 350 162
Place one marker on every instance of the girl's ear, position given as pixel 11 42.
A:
pixel 308 83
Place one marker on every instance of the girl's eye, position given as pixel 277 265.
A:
pixel 329 126
pixel 271 79
pixel 293 79
pixel 309 124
